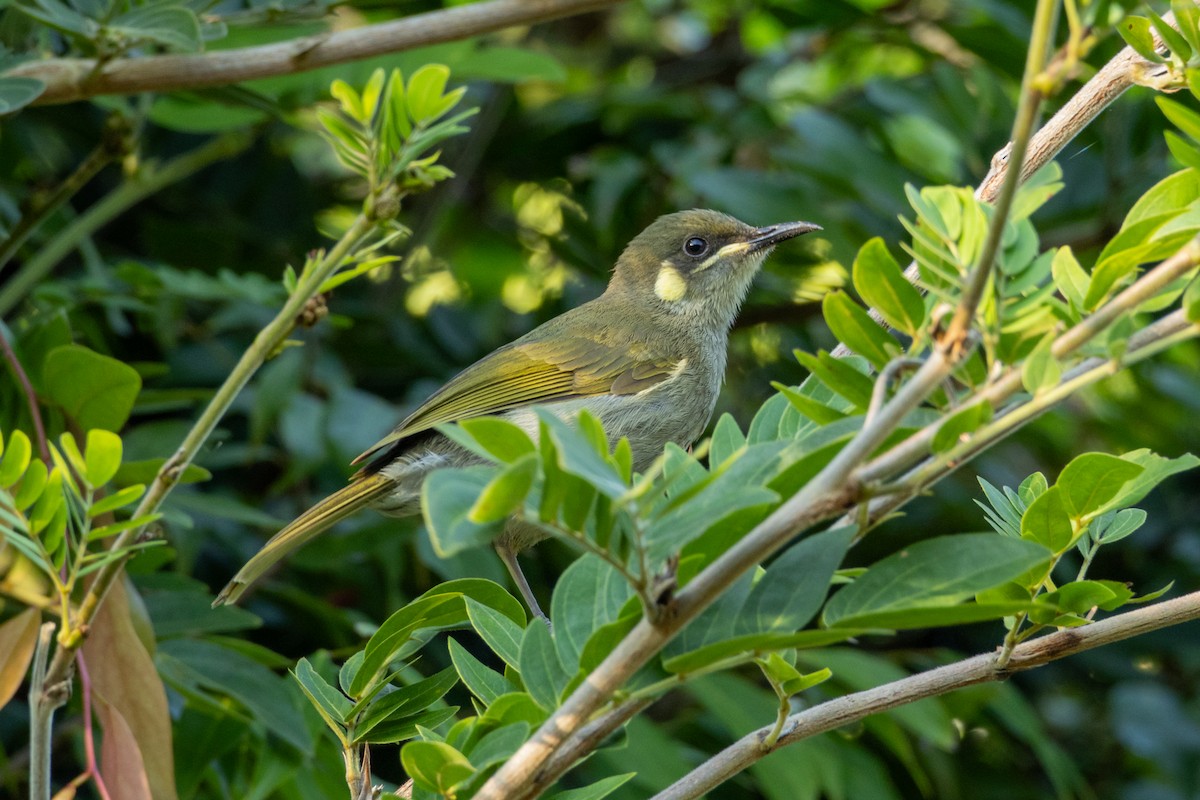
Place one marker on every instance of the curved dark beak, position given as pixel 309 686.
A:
pixel 772 235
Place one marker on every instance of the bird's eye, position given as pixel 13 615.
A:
pixel 695 247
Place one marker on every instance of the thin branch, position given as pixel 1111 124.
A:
pixel 137 188
pixel 1028 109
pixel 1009 383
pixel 69 79
pixel 39 430
pixel 45 697
pixel 1154 338
pixel 265 344
pixel 836 713
pixel 103 155
pixel 1109 83
pixel 89 733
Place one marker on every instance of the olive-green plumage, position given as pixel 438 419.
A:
pixel 647 358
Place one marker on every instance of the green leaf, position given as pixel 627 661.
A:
pixel 791 592
pixel 1092 479
pixel 1041 369
pixel 17 92
pixel 405 701
pixel 960 424
pixel 331 704
pixel 1080 597
pixel 596 791
pixel 1136 33
pixel 402 728
pixel 1115 526
pixel 174 26
pixel 727 437
pixel 498 745
pixel 1187 17
pixel 1047 521
pixel 424 93
pixel 192 665
pixel 435 766
pixel 855 328
pixel 118 499
pixel 1173 39
pixel 881 283
pixel 1157 469
pixel 16 459
pixel 498 438
pixel 497 630
pixel 447 499
pixel 840 376
pixel 1184 151
pixel 384 645
pixel 755 643
pixel 506 492
pixel 94 390
pixel 1191 301
pixel 32 485
pixel 934 573
pixel 541 669
pixel 1180 116
pixel 483 681
pixel 103 456
pixel 1070 278
pixel 942 616
pixel 577 455
pixel 587 596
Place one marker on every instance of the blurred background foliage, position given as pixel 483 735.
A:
pixel 589 128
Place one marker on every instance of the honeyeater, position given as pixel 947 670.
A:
pixel 646 357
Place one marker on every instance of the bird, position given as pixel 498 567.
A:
pixel 647 358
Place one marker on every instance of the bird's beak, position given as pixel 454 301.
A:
pixel 772 235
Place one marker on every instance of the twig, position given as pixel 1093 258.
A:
pixel 886 376
pixel 1028 109
pixel 89 733
pixel 45 697
pixel 834 714
pixel 39 430
pixel 69 79
pixel 265 344
pixel 145 183
pixel 98 159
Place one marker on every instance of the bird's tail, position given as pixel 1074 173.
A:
pixel 317 519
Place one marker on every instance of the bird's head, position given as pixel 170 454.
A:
pixel 697 263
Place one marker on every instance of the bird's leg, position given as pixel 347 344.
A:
pixel 509 557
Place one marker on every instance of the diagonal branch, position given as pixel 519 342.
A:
pixel 69 79
pixel 834 714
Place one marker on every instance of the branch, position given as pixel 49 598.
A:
pixel 833 714
pixel 584 742
pixel 35 413
pixel 265 344
pixel 69 79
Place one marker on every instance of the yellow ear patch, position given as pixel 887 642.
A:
pixel 670 285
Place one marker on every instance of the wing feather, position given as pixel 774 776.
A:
pixel 529 373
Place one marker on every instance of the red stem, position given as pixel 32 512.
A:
pixel 89 738
pixel 30 396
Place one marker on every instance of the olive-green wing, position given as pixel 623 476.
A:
pixel 525 374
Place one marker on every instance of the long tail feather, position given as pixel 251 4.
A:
pixel 316 520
